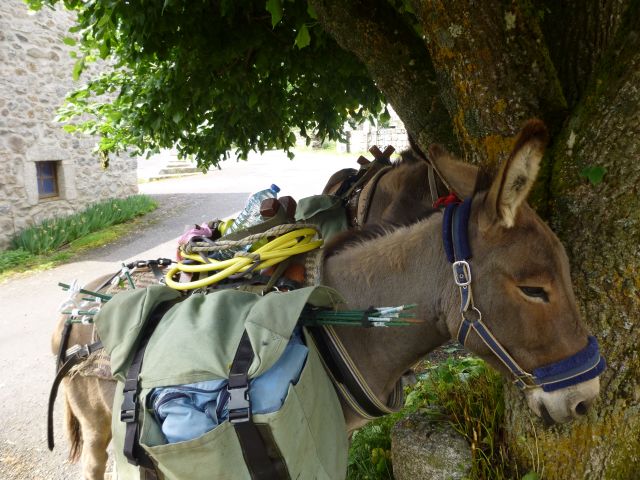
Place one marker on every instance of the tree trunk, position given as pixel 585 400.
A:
pixel 576 45
pixel 494 72
pixel 600 227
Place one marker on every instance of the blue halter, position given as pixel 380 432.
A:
pixel 577 368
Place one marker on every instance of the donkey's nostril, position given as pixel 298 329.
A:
pixel 581 408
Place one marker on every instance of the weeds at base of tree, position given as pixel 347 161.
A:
pixel 467 393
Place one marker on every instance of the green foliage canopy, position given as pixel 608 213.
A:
pixel 209 76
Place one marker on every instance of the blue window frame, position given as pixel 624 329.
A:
pixel 47 173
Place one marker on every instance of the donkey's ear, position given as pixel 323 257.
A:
pixel 517 175
pixel 459 176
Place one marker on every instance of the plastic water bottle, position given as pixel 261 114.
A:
pixel 248 217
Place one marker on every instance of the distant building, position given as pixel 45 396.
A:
pixel 44 171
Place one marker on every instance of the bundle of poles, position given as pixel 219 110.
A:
pixel 371 317
pixel 310 317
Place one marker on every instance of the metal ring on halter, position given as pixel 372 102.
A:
pixel 478 315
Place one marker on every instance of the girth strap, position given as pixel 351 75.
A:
pixel 72 357
pixel 348 380
pixel 365 196
pixel 254 450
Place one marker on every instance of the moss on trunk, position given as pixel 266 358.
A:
pixel 493 70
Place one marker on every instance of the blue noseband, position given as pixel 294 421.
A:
pixel 577 368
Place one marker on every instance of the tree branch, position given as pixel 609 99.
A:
pixel 397 60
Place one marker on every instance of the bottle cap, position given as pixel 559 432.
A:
pixel 275 187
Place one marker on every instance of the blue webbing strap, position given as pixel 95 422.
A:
pixel 447 223
pixel 522 378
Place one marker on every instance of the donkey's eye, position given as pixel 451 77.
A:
pixel 535 292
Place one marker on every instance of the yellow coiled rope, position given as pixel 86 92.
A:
pixel 273 252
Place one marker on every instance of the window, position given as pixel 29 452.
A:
pixel 47 173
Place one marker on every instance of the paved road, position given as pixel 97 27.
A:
pixel 28 304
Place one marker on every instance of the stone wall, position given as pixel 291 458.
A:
pixel 367 135
pixel 35 75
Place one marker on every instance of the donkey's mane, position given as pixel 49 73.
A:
pixel 350 238
pixel 408 157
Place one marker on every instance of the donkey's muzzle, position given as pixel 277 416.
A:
pixel 565 404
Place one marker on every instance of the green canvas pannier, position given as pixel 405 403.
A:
pixel 325 211
pixel 196 341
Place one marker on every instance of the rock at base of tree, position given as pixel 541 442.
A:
pixel 424 449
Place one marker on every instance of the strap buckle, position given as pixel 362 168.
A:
pixel 239 405
pixel 81 351
pixel 129 408
pixel 525 380
pixel 461 273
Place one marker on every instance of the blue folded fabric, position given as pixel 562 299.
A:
pixel 185 412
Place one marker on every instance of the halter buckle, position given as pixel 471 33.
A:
pixel 461 273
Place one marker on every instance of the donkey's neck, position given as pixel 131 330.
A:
pixel 405 266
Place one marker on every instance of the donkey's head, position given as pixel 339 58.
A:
pixel 521 287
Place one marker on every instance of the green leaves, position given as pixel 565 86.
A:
pixel 78 67
pixel 211 78
pixel 69 41
pixel 274 7
pixel 303 39
pixel 594 174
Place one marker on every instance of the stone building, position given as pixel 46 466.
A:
pixel 367 135
pixel 44 171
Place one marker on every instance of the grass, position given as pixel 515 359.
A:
pixel 57 241
pixel 52 234
pixel 467 393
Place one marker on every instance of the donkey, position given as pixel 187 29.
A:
pixel 522 294
pixel 522 286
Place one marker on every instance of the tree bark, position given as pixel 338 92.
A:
pixel 397 61
pixel 577 33
pixel 493 70
pixel 600 227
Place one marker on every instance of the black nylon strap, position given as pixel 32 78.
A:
pixel 132 450
pixel 254 450
pixel 73 357
pixel 64 341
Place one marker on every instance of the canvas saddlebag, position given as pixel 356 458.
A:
pixel 196 341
